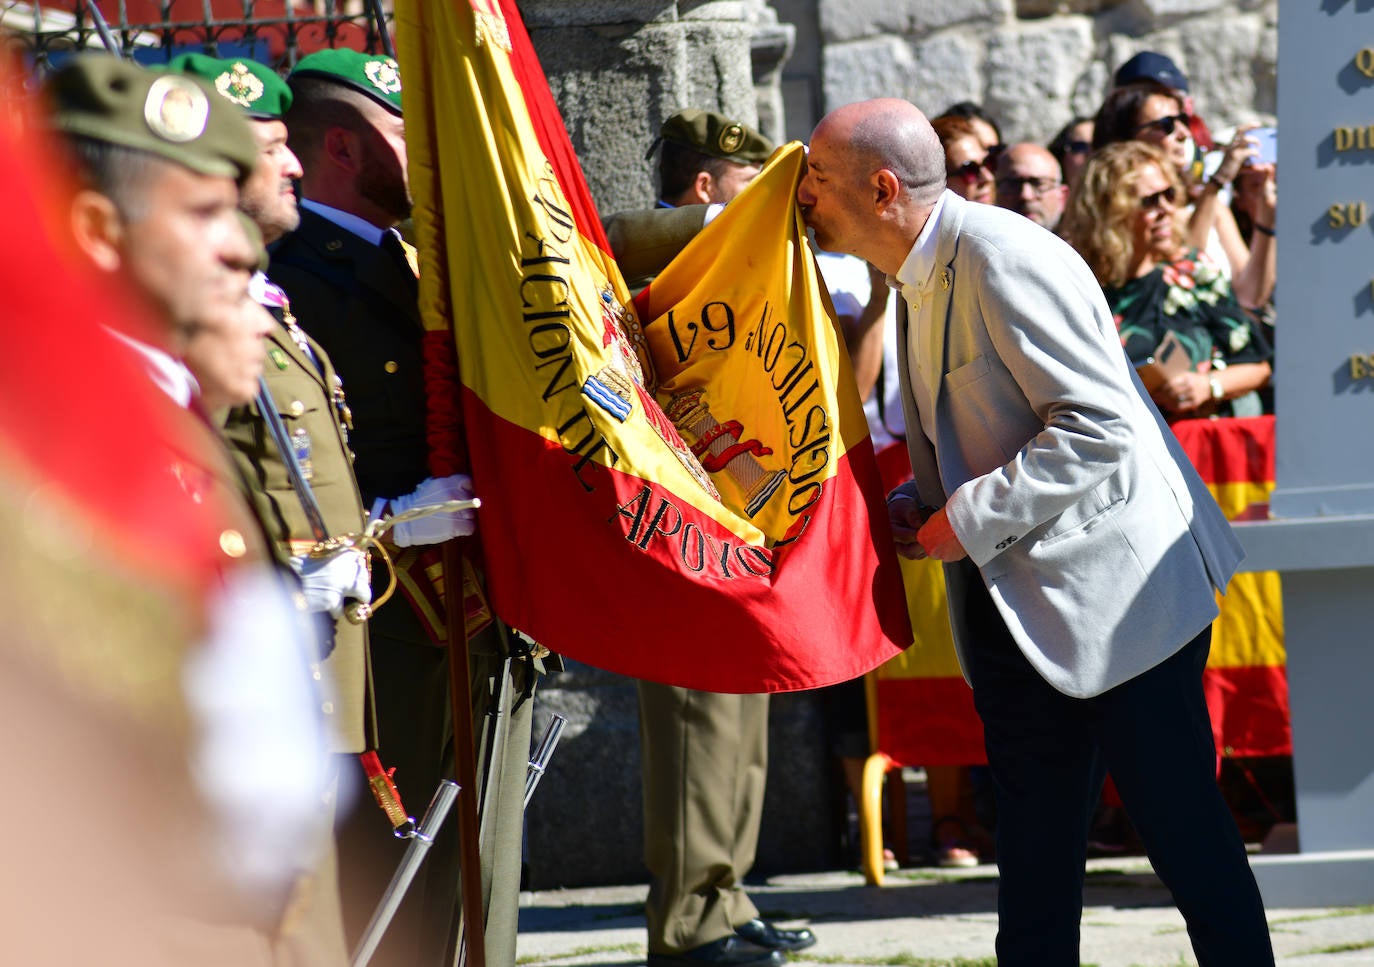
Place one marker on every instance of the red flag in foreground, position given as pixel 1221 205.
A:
pixel 736 542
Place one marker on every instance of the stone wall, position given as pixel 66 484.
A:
pixel 1032 64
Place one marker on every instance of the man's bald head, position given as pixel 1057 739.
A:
pixel 874 171
pixel 890 133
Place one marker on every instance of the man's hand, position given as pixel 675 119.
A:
pixel 938 539
pixel 906 515
pixel 330 582
pixel 435 528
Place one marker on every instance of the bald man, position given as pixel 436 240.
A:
pixel 1080 549
pixel 1030 182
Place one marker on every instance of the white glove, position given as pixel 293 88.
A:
pixel 435 528
pixel 330 582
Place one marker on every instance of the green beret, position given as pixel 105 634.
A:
pixel 716 135
pixel 172 116
pixel 372 74
pixel 256 88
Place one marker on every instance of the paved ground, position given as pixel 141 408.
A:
pixel 933 918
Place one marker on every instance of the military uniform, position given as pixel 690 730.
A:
pixel 98 98
pixel 358 299
pixel 704 755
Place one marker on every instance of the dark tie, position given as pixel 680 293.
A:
pixel 392 245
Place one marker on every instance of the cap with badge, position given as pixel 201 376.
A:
pixel 172 116
pixel 256 88
pixel 372 74
pixel 1148 65
pixel 715 135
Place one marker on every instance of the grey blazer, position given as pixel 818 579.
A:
pixel 1099 543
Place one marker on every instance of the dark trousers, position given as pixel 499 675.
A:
pixel 1049 754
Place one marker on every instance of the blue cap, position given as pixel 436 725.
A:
pixel 1148 65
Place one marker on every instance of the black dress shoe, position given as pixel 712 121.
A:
pixel 725 952
pixel 764 934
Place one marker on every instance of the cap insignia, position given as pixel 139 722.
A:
pixel 731 137
pixel 240 85
pixel 384 75
pixel 176 109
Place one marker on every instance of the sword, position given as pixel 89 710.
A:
pixel 493 738
pixel 540 762
pixel 420 840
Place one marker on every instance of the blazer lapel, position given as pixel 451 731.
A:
pixel 941 295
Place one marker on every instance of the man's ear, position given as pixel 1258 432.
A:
pixel 343 147
pixel 98 230
pixel 886 190
pixel 701 188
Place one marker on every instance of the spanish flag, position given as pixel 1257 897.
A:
pixel 685 493
pixel 924 710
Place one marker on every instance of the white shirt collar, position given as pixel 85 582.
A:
pixel 916 271
pixel 360 227
pixel 168 373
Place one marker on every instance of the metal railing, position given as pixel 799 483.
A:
pixel 276 32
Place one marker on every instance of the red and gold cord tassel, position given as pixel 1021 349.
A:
pixel 384 789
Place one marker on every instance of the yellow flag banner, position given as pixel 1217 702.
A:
pixel 690 499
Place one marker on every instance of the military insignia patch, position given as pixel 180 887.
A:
pixel 304 449
pixel 176 109
pixel 240 85
pixel 384 75
pixel 278 358
pixel 731 137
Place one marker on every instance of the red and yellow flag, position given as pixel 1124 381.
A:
pixel 925 713
pixel 690 498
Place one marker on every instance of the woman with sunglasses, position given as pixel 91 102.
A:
pixel 1151 112
pixel 969 165
pixel 1122 221
pixel 1071 147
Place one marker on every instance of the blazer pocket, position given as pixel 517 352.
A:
pixel 974 369
pixel 1082 525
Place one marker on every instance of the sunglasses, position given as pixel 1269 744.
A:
pixel 1078 147
pixel 1014 186
pixel 1165 125
pixel 968 171
pixel 1151 202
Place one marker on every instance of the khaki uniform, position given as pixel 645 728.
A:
pixel 359 302
pixel 309 398
pixel 704 756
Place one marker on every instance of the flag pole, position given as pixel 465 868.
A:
pixel 472 951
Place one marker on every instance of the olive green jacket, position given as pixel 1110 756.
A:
pixel 312 406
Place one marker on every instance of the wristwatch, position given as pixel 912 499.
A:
pixel 1214 381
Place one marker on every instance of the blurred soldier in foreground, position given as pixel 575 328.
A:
pixel 159 160
pixel 353 284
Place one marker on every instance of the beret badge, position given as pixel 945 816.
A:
pixel 239 85
pixel 176 109
pixel 384 75
pixel 731 138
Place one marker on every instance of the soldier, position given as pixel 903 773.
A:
pixel 704 755
pixel 353 284
pixel 307 396
pixel 159 160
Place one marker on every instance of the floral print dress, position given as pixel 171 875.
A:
pixel 1192 298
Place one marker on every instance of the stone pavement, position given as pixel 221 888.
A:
pixel 927 917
